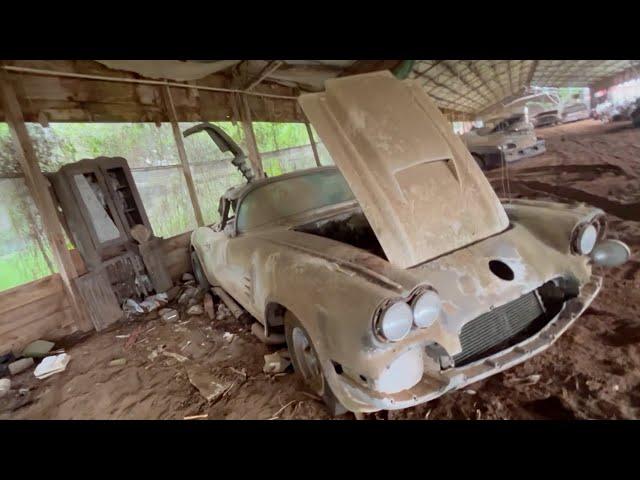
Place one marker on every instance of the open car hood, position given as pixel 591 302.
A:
pixel 417 184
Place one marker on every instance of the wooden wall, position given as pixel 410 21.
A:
pixel 40 309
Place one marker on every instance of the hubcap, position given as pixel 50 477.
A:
pixel 308 360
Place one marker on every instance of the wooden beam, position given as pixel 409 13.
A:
pixel 421 74
pixel 510 77
pixel 531 73
pixel 266 71
pixel 313 144
pixel 460 96
pixel 39 190
pixel 186 170
pixel 249 135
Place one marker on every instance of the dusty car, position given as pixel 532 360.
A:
pixel 575 112
pixel 503 140
pixel 543 119
pixel 398 274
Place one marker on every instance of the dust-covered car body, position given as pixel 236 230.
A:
pixel 503 140
pixel 406 224
pixel 547 118
pixel 575 112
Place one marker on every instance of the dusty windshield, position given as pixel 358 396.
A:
pixel 291 196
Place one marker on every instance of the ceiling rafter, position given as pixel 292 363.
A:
pixel 455 92
pixel 451 70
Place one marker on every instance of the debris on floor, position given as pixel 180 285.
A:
pixel 5 386
pixel 228 336
pixel 20 365
pixel 51 365
pixel 208 306
pixel 212 385
pixel 169 315
pixel 118 362
pixel 195 310
pixel 38 349
pixel 276 362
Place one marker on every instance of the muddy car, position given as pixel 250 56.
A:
pixel 545 119
pixel 503 140
pixel 575 112
pixel 398 275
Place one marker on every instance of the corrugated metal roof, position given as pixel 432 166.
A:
pixel 473 86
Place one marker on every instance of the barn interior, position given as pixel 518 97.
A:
pixel 115 295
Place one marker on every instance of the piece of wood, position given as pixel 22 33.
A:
pixel 39 190
pixel 100 299
pixel 266 71
pixel 313 144
pixel 252 145
pixel 177 135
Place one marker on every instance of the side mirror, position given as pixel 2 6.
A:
pixel 610 253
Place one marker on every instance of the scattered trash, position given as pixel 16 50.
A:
pixel 170 315
pixel 190 283
pixel 223 312
pixel 177 356
pixel 426 417
pixel 118 362
pixel 470 392
pixel 211 385
pixel 275 363
pixel 154 302
pixel 228 336
pixel 20 365
pixel 197 417
pixel 130 306
pixel 5 386
pixel 187 295
pixel 208 306
pixel 38 349
pixel 52 365
pixel 155 352
pixel 186 277
pixel 172 293
pixel 132 338
pixel 275 415
pixel 616 388
pixel 23 391
pixel 123 336
pixel 195 310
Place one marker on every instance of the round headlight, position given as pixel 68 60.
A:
pixel 394 323
pixel 586 239
pixel 426 308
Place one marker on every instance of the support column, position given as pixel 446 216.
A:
pixel 177 135
pixel 313 144
pixel 38 187
pixel 252 145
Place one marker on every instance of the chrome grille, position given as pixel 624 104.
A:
pixel 494 329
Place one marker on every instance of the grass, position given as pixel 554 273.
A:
pixel 22 267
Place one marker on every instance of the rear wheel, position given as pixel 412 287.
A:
pixel 307 364
pixel 198 272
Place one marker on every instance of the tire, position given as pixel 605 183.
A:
pixel 303 364
pixel 479 160
pixel 198 272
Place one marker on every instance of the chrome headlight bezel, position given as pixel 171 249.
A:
pixel 434 305
pixel 595 229
pixel 396 307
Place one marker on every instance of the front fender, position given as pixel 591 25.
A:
pixel 553 223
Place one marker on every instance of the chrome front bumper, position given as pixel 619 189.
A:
pixel 519 153
pixel 357 398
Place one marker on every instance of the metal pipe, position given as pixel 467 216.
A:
pixel 53 73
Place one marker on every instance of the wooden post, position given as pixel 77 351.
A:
pixel 313 144
pixel 252 146
pixel 39 190
pixel 177 135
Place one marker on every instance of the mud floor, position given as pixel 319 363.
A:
pixel 593 371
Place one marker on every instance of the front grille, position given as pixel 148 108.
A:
pixel 499 328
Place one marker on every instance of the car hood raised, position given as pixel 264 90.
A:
pixel 417 184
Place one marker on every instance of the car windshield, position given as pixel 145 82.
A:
pixel 290 196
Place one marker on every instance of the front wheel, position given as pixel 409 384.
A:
pixel 198 272
pixel 307 364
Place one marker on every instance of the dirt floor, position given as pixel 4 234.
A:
pixel 593 371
